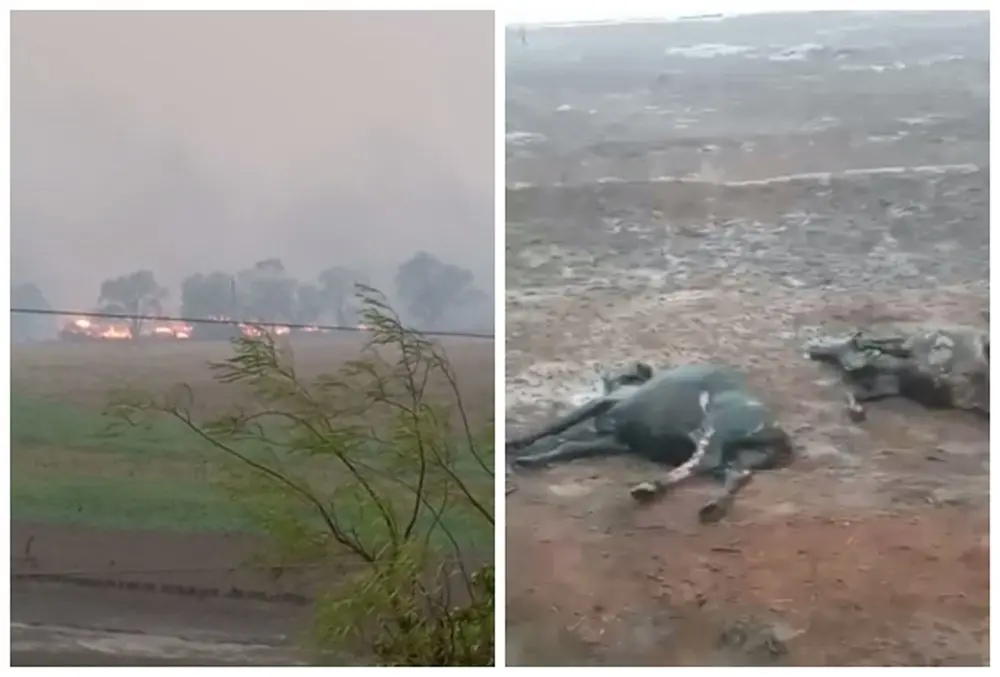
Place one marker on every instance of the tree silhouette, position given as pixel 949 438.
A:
pixel 339 286
pixel 430 287
pixel 24 326
pixel 134 295
pixel 266 292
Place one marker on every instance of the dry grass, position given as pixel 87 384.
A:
pixel 86 374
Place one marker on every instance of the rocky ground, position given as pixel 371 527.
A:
pixel 722 191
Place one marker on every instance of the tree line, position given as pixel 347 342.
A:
pixel 426 288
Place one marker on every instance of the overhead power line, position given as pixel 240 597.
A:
pixel 202 320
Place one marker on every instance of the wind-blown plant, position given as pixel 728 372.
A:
pixel 376 476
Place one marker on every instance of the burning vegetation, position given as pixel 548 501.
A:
pixel 88 329
pixel 83 328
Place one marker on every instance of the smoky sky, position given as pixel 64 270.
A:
pixel 195 141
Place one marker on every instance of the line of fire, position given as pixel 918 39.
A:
pixel 96 329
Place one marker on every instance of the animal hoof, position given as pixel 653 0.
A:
pixel 646 491
pixel 856 413
pixel 713 511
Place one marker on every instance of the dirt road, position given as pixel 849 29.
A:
pixel 97 597
pixel 90 624
pixel 54 645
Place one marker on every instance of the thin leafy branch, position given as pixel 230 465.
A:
pixel 379 459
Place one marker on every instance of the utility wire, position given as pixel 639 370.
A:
pixel 202 320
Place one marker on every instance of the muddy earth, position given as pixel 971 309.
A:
pixel 724 190
pixel 109 597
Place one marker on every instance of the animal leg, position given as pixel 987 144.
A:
pixel 877 387
pixel 717 508
pixel 647 491
pixel 579 415
pixel 570 451
pixel 771 449
pixel 855 410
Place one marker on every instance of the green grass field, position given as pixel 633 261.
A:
pixel 72 465
pixel 68 467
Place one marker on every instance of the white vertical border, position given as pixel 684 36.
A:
pixel 5 329
pixel 500 334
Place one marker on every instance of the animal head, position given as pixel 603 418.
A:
pixel 858 351
pixel 831 348
pixel 633 374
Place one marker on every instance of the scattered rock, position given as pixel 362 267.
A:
pixel 756 641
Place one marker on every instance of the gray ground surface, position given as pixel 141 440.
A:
pixel 724 190
pixel 101 597
pixel 103 627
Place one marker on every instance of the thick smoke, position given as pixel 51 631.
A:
pixel 186 142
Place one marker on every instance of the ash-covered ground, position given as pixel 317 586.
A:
pixel 722 190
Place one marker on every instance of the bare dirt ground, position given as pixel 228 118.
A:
pixel 723 191
pixel 84 374
pixel 87 596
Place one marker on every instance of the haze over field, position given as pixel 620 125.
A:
pixel 192 141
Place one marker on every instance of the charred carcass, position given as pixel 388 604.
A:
pixel 699 419
pixel 940 367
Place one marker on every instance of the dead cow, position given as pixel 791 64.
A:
pixel 700 419
pixel 937 367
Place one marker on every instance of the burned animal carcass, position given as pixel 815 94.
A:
pixel 699 419
pixel 937 367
